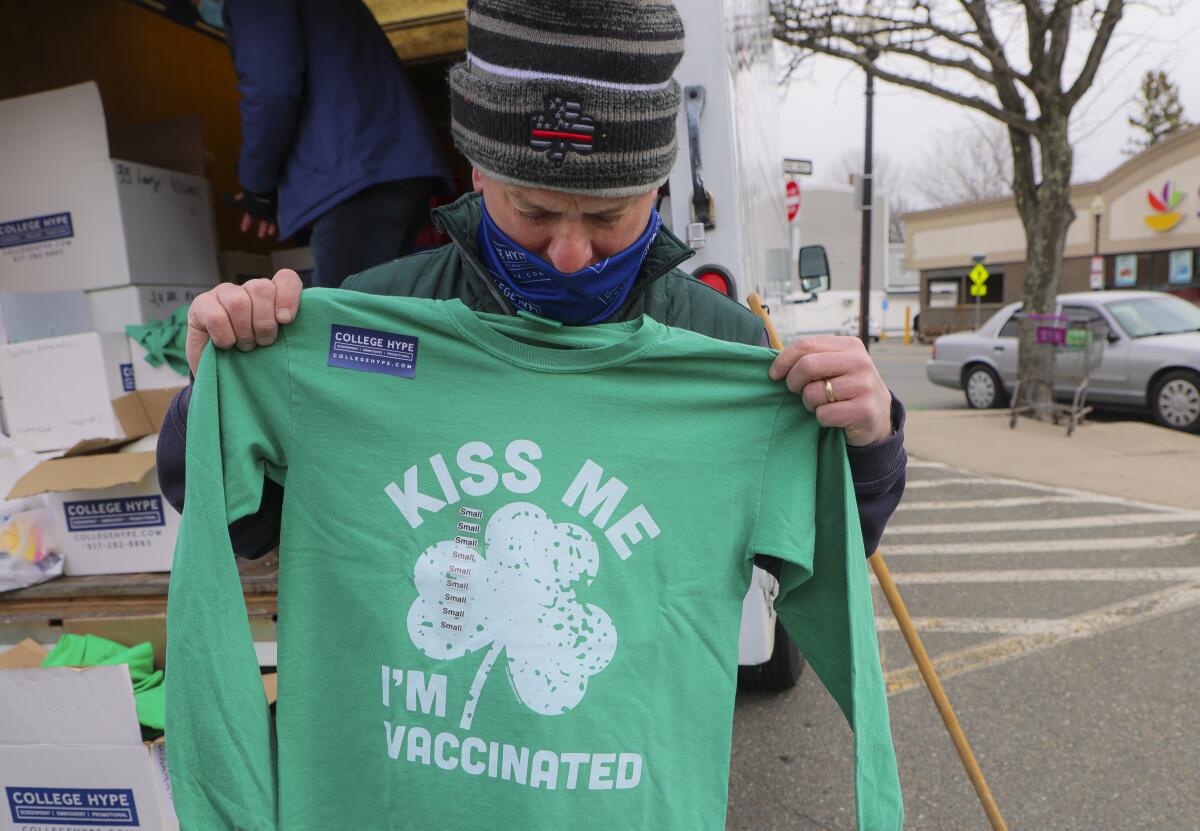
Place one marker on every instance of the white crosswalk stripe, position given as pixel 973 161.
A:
pixel 1004 502
pixel 1110 521
pixel 953 481
pixel 1042 546
pixel 1162 574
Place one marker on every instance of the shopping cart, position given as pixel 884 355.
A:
pixel 1066 354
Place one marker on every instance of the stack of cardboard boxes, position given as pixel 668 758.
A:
pixel 94 237
pixel 90 244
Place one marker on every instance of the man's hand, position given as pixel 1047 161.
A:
pixel 862 402
pixel 261 207
pixel 248 315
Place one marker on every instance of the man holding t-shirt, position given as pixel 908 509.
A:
pixel 567 113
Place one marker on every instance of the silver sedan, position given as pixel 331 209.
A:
pixel 1151 359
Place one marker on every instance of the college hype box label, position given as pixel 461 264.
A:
pixel 82 807
pixel 36 229
pixel 112 514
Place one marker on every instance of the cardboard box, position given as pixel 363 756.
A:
pixel 107 513
pixel 114 309
pixel 29 315
pixel 58 391
pixel 71 751
pixel 146 377
pixel 76 738
pixel 71 217
pixel 238 266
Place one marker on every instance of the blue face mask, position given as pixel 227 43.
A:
pixel 588 296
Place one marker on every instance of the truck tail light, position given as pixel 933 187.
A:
pixel 718 278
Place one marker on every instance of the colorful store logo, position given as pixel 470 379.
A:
pixel 1165 217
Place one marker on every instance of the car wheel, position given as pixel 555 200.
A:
pixel 1176 401
pixel 781 672
pixel 983 388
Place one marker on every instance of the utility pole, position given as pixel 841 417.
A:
pixel 868 200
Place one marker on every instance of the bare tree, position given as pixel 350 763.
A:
pixel 968 165
pixel 889 179
pixel 1159 112
pixel 1004 58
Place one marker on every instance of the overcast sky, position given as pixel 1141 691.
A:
pixel 823 109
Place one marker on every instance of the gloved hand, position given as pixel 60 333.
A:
pixel 261 207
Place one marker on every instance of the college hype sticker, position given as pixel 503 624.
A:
pixel 109 807
pixel 36 229
pixel 112 514
pixel 369 350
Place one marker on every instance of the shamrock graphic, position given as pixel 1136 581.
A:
pixel 561 127
pixel 520 598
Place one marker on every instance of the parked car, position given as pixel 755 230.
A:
pixel 1151 358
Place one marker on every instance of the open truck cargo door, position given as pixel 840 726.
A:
pixel 422 30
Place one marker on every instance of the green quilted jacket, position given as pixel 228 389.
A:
pixel 662 291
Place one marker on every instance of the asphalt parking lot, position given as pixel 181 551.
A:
pixel 1056 585
pixel 1062 625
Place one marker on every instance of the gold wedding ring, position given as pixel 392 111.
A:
pixel 829 391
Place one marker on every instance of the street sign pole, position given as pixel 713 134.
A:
pixel 978 275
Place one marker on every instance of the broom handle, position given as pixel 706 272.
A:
pixel 914 641
pixel 935 690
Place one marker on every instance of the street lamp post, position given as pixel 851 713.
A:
pixel 871 52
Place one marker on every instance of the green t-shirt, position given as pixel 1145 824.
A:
pixel 512 565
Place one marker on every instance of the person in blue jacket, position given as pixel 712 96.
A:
pixel 332 133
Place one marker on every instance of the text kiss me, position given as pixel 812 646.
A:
pixel 594 498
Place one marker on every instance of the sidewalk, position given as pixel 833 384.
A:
pixel 1127 459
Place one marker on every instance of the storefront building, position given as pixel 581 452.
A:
pixel 1137 228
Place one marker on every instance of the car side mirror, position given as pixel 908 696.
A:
pixel 1113 337
pixel 814 268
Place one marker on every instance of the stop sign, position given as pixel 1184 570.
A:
pixel 793 199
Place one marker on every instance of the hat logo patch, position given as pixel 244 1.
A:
pixel 562 127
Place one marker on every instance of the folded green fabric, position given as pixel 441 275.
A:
pixel 91 651
pixel 165 341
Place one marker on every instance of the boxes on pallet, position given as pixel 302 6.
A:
pixel 108 514
pixel 114 309
pixel 29 315
pixel 72 217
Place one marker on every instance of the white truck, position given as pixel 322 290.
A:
pixel 727 200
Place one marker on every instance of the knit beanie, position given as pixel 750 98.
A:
pixel 572 96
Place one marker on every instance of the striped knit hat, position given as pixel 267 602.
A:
pixel 573 96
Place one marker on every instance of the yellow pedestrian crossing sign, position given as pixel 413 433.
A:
pixel 979 276
pixel 978 290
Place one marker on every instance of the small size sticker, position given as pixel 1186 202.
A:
pixel 369 350
pixel 127 380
